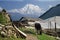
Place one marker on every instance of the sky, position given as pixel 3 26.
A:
pixel 28 7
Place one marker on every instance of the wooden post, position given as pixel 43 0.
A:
pixel 50 25
pixel 55 24
pixel 55 27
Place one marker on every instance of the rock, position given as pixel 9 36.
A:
pixel 0 28
pixel 57 38
pixel 2 25
pixel 3 34
pixel 9 32
pixel 15 35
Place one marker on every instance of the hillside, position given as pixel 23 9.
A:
pixel 15 16
pixel 54 11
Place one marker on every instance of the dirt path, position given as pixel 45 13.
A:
pixel 31 37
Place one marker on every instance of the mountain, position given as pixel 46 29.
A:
pixel 16 16
pixel 29 10
pixel 54 11
pixel 31 15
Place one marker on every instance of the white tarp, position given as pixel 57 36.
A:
pixel 48 23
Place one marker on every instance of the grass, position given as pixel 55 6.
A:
pixel 11 38
pixel 45 37
pixel 29 31
pixel 40 37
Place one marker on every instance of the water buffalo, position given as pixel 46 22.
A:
pixel 38 28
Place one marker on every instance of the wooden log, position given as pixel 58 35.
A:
pixel 20 32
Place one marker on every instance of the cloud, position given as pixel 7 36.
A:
pixel 14 10
pixel 28 9
pixel 50 6
pixel 1 8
